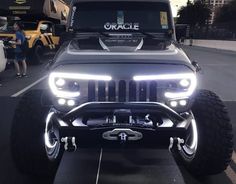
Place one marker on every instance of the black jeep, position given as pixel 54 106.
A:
pixel 120 80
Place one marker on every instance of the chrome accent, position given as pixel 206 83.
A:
pixel 73 143
pixel 176 141
pixel 103 45
pixel 139 46
pixel 70 144
pixel 148 120
pixel 171 143
pixel 123 137
pixel 65 140
pixel 130 119
pixel 80 107
pixel 114 119
pixel 180 141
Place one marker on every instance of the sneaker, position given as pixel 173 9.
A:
pixel 18 76
pixel 24 75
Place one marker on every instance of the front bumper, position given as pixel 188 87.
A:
pixel 139 124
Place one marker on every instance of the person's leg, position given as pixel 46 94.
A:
pixel 17 67
pixel 24 65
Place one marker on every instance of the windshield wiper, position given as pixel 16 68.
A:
pixel 97 33
pixel 91 31
pixel 156 36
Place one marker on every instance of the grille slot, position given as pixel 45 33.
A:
pixel 153 91
pixel 112 91
pixel 132 91
pixel 101 91
pixel 122 91
pixel 142 91
pixel 91 91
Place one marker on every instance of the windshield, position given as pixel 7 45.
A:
pixel 28 26
pixel 122 16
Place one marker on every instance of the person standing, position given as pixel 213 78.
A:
pixel 20 55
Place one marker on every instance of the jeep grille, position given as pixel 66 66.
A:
pixel 122 91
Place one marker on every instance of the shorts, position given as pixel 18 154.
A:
pixel 19 56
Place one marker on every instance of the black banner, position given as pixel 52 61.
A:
pixel 21 7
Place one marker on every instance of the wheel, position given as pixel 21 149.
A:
pixel 36 54
pixel 208 148
pixel 52 138
pixel 27 137
pixel 65 38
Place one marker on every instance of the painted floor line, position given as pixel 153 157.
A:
pixel 28 87
pixel 215 64
pixel 99 166
pixel 231 174
pixel 233 100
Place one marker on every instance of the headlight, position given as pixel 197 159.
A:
pixel 28 37
pixel 185 83
pixel 66 85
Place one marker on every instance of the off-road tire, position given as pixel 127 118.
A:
pixel 27 137
pixel 36 54
pixel 65 38
pixel 215 136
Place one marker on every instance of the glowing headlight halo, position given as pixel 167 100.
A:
pixel 47 142
pixel 46 136
pixel 181 76
pixel 76 76
pixel 191 77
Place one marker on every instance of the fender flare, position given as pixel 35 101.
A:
pixel 36 41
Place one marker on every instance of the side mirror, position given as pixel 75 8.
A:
pixel 43 31
pixel 59 29
pixel 49 64
pixel 196 65
pixel 43 28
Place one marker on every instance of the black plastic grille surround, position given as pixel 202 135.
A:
pixel 122 91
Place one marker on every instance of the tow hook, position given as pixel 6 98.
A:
pixel 175 142
pixel 70 144
pixel 122 134
pixel 123 137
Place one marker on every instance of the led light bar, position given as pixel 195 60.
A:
pixel 80 76
pixel 164 77
pixel 189 91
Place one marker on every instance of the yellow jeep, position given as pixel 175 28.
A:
pixel 41 37
pixel 40 19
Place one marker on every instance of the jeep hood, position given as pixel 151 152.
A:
pixel 122 65
pixel 72 56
